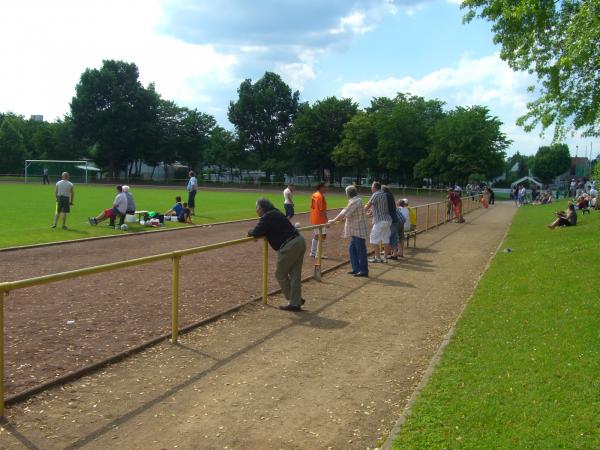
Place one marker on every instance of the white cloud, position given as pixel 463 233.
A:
pixel 49 45
pixel 471 81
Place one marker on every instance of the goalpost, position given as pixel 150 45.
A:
pixel 83 165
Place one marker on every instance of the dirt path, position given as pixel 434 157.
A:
pixel 335 376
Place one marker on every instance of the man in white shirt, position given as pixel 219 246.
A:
pixel 288 201
pixel 192 188
pixel 64 194
pixel 119 208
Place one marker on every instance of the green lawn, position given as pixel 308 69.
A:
pixel 523 368
pixel 29 209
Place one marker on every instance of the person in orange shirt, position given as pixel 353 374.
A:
pixel 318 216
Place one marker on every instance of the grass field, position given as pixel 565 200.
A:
pixel 29 209
pixel 522 370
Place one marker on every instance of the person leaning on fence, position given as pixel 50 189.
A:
pixel 405 226
pixel 64 193
pixel 318 216
pixel 391 202
pixel 290 247
pixel 119 207
pixel 377 207
pixel 192 188
pixel 355 228
pixel 288 200
pixel 566 218
pixel 454 198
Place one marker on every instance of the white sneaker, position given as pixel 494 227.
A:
pixel 374 260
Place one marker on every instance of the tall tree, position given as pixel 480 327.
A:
pixel 225 150
pixel 262 116
pixel 559 41
pixel 403 127
pixel 466 141
pixel 357 148
pixel 194 130
pixel 317 130
pixel 12 147
pixel 112 111
pixel 551 161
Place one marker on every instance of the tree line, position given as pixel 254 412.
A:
pixel 119 124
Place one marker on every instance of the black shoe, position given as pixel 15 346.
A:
pixel 361 275
pixel 289 307
pixel 351 273
pixel 302 301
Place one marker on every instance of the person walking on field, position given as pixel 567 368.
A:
pixel 64 193
pixel 290 247
pixel 355 228
pixel 318 216
pixel 378 208
pixel 192 188
pixel 45 179
pixel 288 201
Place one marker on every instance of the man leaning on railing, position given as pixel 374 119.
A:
pixel 290 246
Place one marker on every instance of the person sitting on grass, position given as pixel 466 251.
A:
pixel 119 207
pixel 566 218
pixel 177 209
pixel 583 204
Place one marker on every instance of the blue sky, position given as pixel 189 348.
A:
pixel 198 52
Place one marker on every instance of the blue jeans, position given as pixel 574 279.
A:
pixel 358 255
pixel 394 234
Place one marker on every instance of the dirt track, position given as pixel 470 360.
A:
pixel 57 328
pixel 335 376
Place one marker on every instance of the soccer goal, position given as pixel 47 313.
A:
pixel 80 171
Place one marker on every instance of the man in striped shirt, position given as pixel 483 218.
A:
pixel 382 221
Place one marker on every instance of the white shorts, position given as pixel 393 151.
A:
pixel 316 230
pixel 380 233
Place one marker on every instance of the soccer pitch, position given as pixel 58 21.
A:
pixel 29 209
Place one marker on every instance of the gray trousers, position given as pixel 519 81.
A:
pixel 289 269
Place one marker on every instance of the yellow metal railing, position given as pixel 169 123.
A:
pixel 175 257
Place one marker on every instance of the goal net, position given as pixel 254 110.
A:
pixel 79 171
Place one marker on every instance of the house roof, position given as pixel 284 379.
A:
pixel 520 180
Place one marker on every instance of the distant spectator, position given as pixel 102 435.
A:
pixel 288 200
pixel 45 179
pixel 492 195
pixel 192 188
pixel 395 223
pixel 177 208
pixel 187 215
pixel 130 207
pixel 454 198
pixel 377 207
pixel 119 207
pixel 583 203
pixel 64 194
pixel 566 218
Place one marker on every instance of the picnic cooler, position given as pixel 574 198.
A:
pixel 130 218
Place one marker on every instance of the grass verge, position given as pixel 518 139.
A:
pixel 28 210
pixel 522 370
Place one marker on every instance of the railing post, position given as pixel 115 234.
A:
pixel 2 353
pixel 427 219
pixel 175 300
pixel 437 214
pixel 265 274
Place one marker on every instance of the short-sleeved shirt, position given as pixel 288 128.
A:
pixel 406 214
pixel 130 201
pixel 177 209
pixel 287 197
pixel 120 202
pixel 356 222
pixel 192 184
pixel 64 188
pixel 381 212
pixel 318 209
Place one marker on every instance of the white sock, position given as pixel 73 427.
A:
pixel 313 247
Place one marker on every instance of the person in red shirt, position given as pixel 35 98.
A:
pixel 456 202
pixel 318 216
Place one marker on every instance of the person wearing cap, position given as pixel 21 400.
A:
pixel 412 215
pixel 290 246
